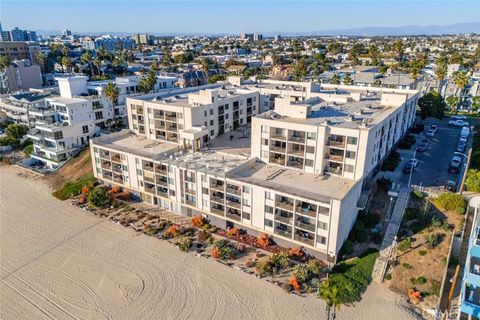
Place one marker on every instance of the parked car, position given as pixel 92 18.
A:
pixel 465 132
pixel 458 123
pixel 430 133
pixel 454 166
pixel 461 146
pixel 458 117
pixel 450 186
pixel 423 146
pixel 413 161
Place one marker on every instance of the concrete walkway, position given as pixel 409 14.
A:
pixel 388 246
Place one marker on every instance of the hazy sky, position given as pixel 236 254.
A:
pixel 230 16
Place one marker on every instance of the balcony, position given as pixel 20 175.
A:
pixel 234 189
pixel 171 117
pixel 116 158
pixel 147 166
pixel 117 168
pixel 284 203
pixel 158 114
pixel 304 238
pixel 118 178
pixel 233 214
pixel 190 191
pixel 276 149
pixel 162 181
pixel 297 152
pixel 305 226
pixel 300 139
pixel 307 209
pixel 162 191
pixel 334 168
pixel 280 137
pixel 217 186
pixel 105 155
pixel 283 233
pixel 190 202
pixel 284 219
pixel 234 204
pixel 280 161
pixel 334 157
pixel 148 179
pixel 106 165
pixel 171 128
pixel 150 188
pixel 190 178
pixel 336 143
pixel 217 210
pixel 107 175
pixel 161 169
pixel 297 163
pixel 217 199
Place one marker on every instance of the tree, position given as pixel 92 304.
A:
pixel 16 131
pixel 5 62
pixel 112 92
pixel 476 103
pixel 432 105
pixel 452 102
pixel 147 83
pixel 41 59
pixel 98 197
pixel 441 71
pixel 348 80
pixel 473 180
pixel 300 70
pixel 86 58
pixel 335 79
pixel 462 78
pixel 66 63
pixel 329 292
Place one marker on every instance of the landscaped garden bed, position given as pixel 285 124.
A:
pixel 423 245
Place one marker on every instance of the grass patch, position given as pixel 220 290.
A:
pixel 450 201
pixel 74 188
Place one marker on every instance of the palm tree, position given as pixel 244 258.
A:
pixel 67 63
pixel 41 59
pixel 97 62
pixel 5 62
pixel 348 80
pixel 335 79
pixel 441 71
pixel 329 293
pixel 87 58
pixel 112 92
pixel 462 78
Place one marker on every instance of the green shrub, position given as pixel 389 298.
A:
pixel 376 238
pixel 347 246
pixel 350 279
pixel 227 252
pixel 407 266
pixel 422 252
pixel 460 210
pixel 359 226
pixel 472 181
pixel 28 150
pixel 435 287
pixel 315 267
pixel 384 183
pixel 433 240
pixel 421 280
pixel 287 287
pixel 361 236
pixel 185 245
pixel 387 277
pixel 449 201
pixel 410 214
pixel 405 244
pixel 302 272
pixel 436 223
pixel 264 267
pixel 279 260
pixel 74 188
pixel 391 162
pixel 413 281
pixel 417 194
pixel 98 197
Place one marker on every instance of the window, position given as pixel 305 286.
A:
pixel 205 113
pixel 149 110
pixel 246 202
pixel 323 225
pixel 350 154
pixel 352 140
pixel 268 223
pixel 205 190
pixel 265 129
pixel 264 154
pixel 268 195
pixel 348 168
pixel 139 172
pixel 268 209
pixel 310 149
pixel 95 149
pixel 324 211
pixel 212 132
pixel 85 129
pixel 308 162
pixel 265 142
pixel 211 112
pixel 310 136
pixel 226 106
pixel 211 122
pixel 246 189
pixel 321 240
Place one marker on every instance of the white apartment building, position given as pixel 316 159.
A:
pixel 17 105
pixel 68 121
pixel 301 178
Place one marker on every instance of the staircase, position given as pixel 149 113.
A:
pixel 388 247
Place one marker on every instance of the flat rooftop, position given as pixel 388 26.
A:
pixel 235 142
pixel 307 185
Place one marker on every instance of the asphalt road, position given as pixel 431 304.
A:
pixel 432 169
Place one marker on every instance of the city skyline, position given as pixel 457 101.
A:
pixel 215 17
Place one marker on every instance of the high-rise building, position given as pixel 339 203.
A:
pixel 257 37
pixel 66 32
pixel 22 35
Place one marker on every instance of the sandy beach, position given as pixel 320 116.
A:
pixel 61 262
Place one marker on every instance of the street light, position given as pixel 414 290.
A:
pixel 411 169
pixel 469 156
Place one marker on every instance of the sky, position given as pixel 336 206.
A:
pixel 230 16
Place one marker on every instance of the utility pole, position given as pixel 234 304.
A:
pixel 466 170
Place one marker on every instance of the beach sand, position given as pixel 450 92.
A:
pixel 61 262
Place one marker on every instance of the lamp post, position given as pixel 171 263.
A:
pixel 464 177
pixel 411 169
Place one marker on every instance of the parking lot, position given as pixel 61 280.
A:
pixel 432 169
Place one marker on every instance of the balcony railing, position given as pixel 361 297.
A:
pixel 217 199
pixel 305 226
pixel 217 187
pixel 284 205
pixel 147 167
pixel 190 191
pixel 307 211
pixel 116 158
pixel 233 216
pixel 233 204
pixel 190 203
pixel 334 157
pixel 217 211
pixel 149 189
pixel 162 182
pixel 234 191
pixel 283 233
pixel 298 153
pixel 278 149
pixel 280 137
pixel 171 118
pixel 304 239
pixel 297 139
pixel 148 179
pixel 287 220
pixel 161 170
pixel 336 143
pixel 280 161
